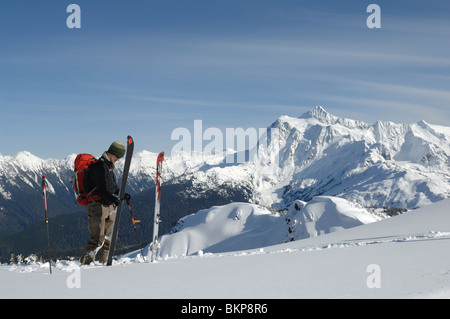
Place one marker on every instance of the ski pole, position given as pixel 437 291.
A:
pixel 134 221
pixel 157 217
pixel 44 193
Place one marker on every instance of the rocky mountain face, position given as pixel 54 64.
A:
pixel 383 164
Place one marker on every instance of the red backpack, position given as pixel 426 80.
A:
pixel 82 164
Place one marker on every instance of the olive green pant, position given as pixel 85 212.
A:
pixel 101 222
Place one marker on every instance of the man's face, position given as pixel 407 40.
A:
pixel 113 158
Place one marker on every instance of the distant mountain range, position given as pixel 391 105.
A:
pixel 382 164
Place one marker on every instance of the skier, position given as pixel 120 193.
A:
pixel 101 213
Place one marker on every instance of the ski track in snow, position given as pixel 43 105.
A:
pixel 71 265
pixel 431 235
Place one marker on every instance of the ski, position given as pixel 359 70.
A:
pixel 157 220
pixel 44 193
pixel 123 184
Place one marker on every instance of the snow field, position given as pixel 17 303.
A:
pixel 400 257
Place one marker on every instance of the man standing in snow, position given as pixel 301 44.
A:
pixel 101 213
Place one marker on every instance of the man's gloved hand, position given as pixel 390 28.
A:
pixel 116 201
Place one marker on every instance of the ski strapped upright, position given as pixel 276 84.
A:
pixel 44 193
pixel 157 220
pixel 123 184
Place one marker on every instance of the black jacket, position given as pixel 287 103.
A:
pixel 101 175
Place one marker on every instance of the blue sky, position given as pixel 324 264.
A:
pixel 144 68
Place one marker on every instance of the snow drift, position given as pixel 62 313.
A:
pixel 223 228
pixel 238 226
pixel 326 214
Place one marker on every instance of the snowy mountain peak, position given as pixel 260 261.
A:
pixel 28 160
pixel 319 113
pixel 383 164
pixel 324 117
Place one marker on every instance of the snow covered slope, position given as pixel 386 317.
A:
pixel 400 257
pixel 231 227
pixel 239 226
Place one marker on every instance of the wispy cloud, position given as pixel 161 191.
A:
pixel 393 102
pixel 207 105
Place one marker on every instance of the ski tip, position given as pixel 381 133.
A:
pixel 130 140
